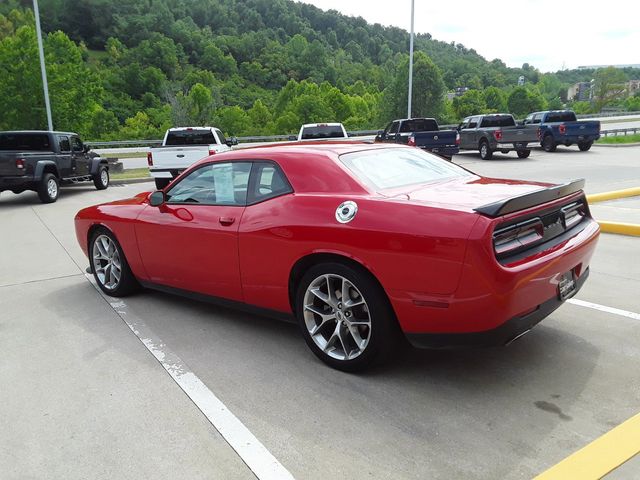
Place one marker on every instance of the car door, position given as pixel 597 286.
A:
pixel 79 158
pixel 223 147
pixel 64 160
pixel 190 242
pixel 465 133
pixel 392 135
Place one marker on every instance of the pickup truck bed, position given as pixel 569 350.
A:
pixel 423 133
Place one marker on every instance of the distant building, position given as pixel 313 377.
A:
pixel 521 80
pixel 461 91
pixel 633 86
pixel 580 91
pixel 595 67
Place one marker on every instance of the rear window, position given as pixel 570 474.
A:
pixel 419 125
pixel 190 137
pixel 25 141
pixel 322 131
pixel 561 117
pixel 397 167
pixel 498 121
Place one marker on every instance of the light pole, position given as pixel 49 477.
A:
pixel 410 63
pixel 45 84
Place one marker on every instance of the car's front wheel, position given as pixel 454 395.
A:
pixel 345 317
pixel 109 265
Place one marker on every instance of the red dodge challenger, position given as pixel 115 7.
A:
pixel 360 243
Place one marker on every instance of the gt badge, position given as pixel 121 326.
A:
pixel 346 211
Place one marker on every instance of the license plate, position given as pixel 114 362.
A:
pixel 520 145
pixel 567 285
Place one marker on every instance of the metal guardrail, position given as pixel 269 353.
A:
pixel 620 131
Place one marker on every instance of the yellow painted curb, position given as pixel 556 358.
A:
pixel 620 228
pixel 601 197
pixel 601 456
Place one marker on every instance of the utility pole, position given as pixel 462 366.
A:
pixel 410 62
pixel 45 84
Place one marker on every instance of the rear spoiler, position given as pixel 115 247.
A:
pixel 532 199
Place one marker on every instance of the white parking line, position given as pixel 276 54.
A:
pixel 604 308
pixel 252 452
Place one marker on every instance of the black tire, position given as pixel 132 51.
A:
pixel 161 183
pixel 523 153
pixel 48 188
pixel 548 143
pixel 101 179
pixel 127 283
pixel 485 150
pixel 383 333
pixel 584 146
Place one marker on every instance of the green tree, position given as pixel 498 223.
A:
pixel 609 85
pixel 471 103
pixel 523 101
pixel 495 99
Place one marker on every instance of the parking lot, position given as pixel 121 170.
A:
pixel 83 397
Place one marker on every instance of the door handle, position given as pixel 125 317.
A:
pixel 226 221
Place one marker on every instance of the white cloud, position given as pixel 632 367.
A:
pixel 544 33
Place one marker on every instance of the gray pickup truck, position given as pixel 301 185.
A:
pixel 497 132
pixel 41 161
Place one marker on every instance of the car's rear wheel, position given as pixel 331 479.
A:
pixel 345 317
pixel 49 188
pixel 524 153
pixel 101 179
pixel 161 183
pixel 485 151
pixel 584 146
pixel 548 143
pixel 109 265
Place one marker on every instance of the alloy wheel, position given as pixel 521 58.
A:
pixel 106 262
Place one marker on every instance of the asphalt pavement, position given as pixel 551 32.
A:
pixel 83 397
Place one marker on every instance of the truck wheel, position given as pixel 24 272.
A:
pixel 584 146
pixel 548 143
pixel 48 188
pixel 523 153
pixel 485 150
pixel 101 179
pixel 161 183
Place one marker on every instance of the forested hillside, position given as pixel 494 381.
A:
pixel 131 68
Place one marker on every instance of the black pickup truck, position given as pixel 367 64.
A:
pixel 41 161
pixel 497 132
pixel 422 133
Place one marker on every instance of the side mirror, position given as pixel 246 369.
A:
pixel 232 141
pixel 157 198
pixel 292 138
pixel 86 148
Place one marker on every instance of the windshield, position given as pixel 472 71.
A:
pixel 25 141
pixel 397 167
pixel 498 121
pixel 322 131
pixel 419 125
pixel 190 137
pixel 561 117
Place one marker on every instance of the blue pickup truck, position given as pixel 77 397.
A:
pixel 423 133
pixel 561 127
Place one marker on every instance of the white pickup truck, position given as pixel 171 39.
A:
pixel 181 148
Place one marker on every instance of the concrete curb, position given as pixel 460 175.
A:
pixel 620 228
pixel 126 181
pixel 613 195
pixel 616 145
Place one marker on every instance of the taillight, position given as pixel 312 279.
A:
pixel 572 214
pixel 149 159
pixel 562 128
pixel 211 151
pixel 498 135
pixel 516 237
pixel 412 141
pixel 457 138
pixel 20 163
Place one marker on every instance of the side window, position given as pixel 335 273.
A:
pixel 394 128
pixel 387 129
pixel 538 118
pixel 473 122
pixel 220 136
pixel 464 124
pixel 267 181
pixel 64 144
pixel 213 184
pixel 76 144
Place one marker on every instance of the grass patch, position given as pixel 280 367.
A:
pixel 132 173
pixel 620 139
pixel 125 155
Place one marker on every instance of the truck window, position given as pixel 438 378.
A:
pixel 498 121
pixel 473 123
pixel 537 118
pixel 76 144
pixel 220 136
pixel 25 141
pixel 553 117
pixel 394 128
pixel 419 125
pixel 63 142
pixel 190 137
pixel 322 131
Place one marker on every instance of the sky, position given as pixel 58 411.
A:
pixel 544 33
